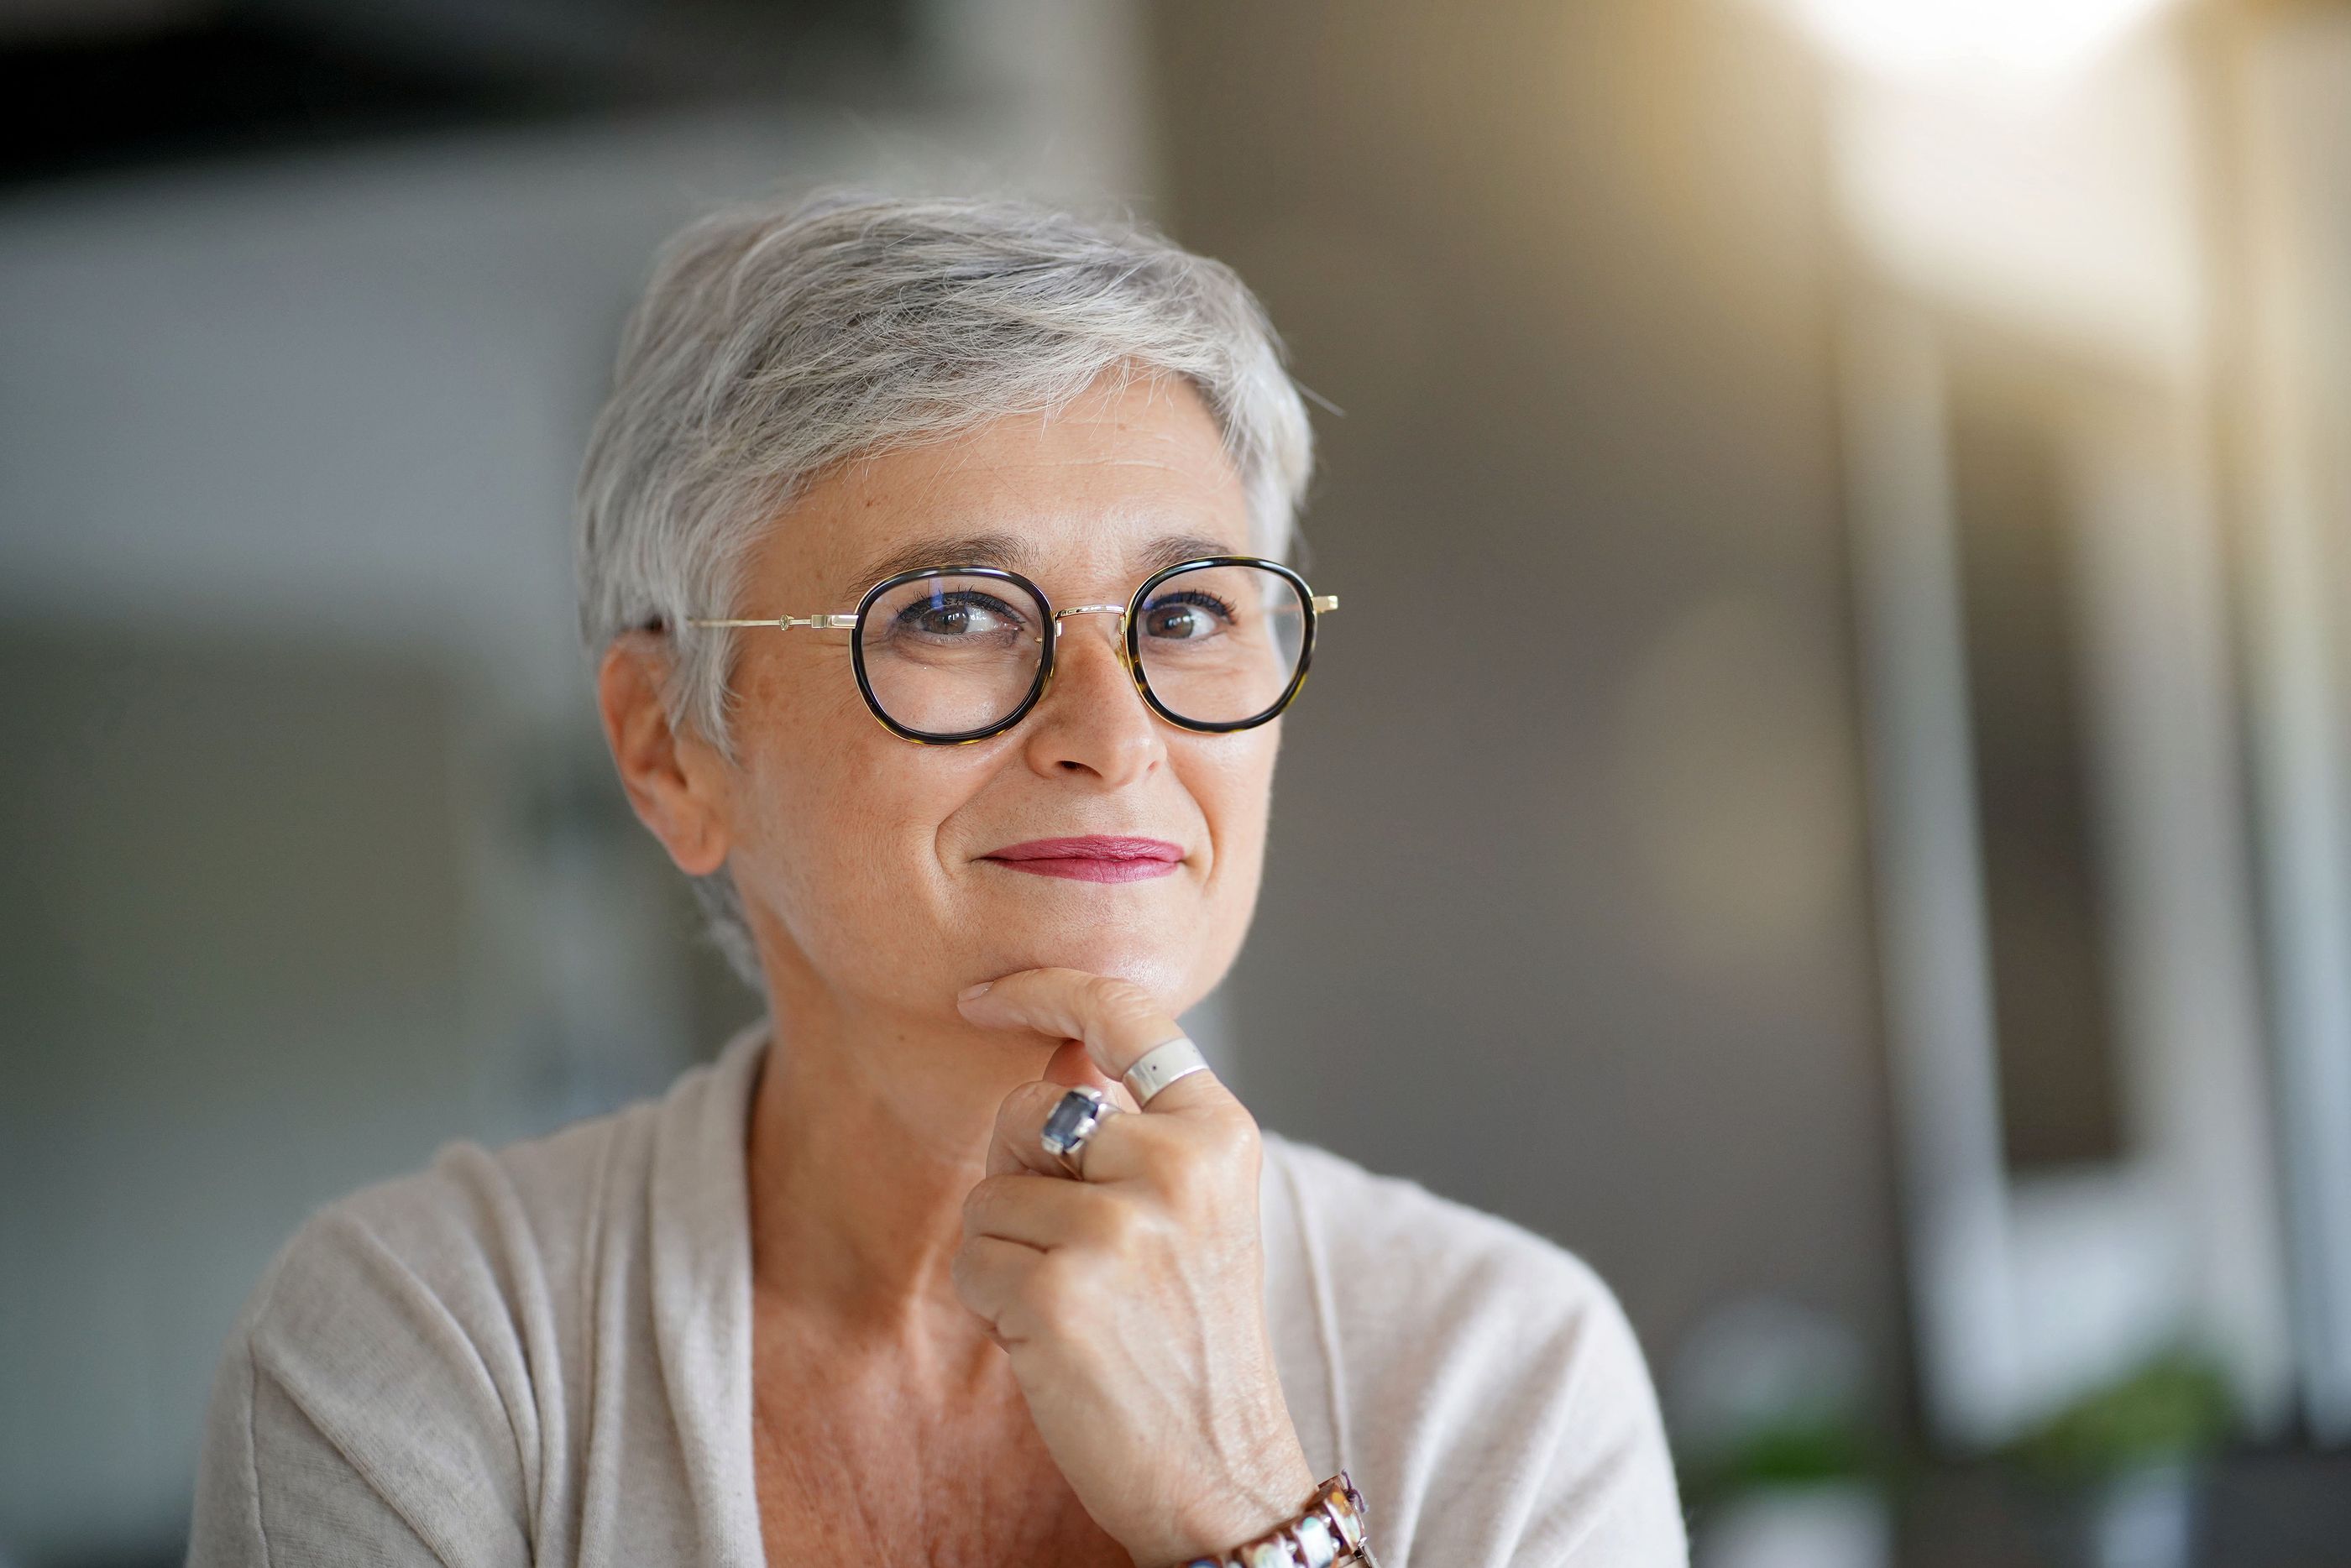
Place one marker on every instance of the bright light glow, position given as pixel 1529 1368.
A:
pixel 2022 37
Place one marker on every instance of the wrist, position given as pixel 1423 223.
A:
pixel 1246 1510
pixel 1332 1526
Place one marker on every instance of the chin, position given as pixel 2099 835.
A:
pixel 1171 974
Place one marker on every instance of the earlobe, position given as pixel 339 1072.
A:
pixel 668 777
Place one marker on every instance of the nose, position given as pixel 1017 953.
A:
pixel 1094 720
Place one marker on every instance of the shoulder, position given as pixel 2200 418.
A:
pixel 433 1354
pixel 491 1241
pixel 419 1335
pixel 393 1373
pixel 464 1242
pixel 1403 1252
pixel 431 1333
pixel 1489 1377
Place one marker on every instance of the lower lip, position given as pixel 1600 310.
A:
pixel 1091 868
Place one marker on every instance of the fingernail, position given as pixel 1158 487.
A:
pixel 969 991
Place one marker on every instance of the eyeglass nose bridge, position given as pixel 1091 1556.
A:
pixel 1118 637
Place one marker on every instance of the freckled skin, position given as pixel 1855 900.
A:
pixel 890 1424
pixel 860 846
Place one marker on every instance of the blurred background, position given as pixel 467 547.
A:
pixel 1832 800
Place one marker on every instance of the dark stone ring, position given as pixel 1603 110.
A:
pixel 1074 1119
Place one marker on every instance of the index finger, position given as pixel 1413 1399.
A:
pixel 1118 1021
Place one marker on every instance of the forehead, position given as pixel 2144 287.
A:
pixel 1127 479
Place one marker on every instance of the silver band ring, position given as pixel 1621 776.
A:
pixel 1162 1065
pixel 1075 1117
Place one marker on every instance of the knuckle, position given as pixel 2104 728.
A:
pixel 1056 1291
pixel 1025 1104
pixel 1236 1135
pixel 1198 1171
pixel 982 1203
pixel 976 1283
pixel 1117 1227
pixel 1186 1188
pixel 1225 1140
pixel 1152 1141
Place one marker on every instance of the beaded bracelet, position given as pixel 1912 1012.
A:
pixel 1334 1527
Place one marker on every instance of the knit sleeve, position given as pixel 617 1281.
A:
pixel 1498 1410
pixel 1604 1493
pixel 362 1414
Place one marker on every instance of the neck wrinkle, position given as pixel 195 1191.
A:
pixel 865 1136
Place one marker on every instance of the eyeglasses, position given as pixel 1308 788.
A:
pixel 949 655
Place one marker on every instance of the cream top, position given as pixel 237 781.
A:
pixel 542 1354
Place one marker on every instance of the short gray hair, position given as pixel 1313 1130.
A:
pixel 780 339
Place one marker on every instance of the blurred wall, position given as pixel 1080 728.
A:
pixel 310 855
pixel 1564 912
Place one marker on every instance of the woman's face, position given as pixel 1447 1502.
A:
pixel 863 859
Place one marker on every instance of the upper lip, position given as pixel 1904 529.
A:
pixel 1090 847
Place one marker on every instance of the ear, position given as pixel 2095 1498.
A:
pixel 677 783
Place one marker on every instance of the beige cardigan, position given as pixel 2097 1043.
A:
pixel 541 1354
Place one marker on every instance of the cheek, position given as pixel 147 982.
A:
pixel 1233 784
pixel 838 858
pixel 836 827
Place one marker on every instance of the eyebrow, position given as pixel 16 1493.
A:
pixel 1007 552
pixel 999 550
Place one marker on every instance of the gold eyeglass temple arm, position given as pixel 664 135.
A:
pixel 785 623
pixel 1324 603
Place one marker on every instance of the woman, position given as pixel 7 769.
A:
pixel 928 555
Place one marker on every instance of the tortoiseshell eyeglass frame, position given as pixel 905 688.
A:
pixel 1130 645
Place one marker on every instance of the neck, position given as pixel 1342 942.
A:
pixel 868 1129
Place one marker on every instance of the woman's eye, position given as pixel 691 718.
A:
pixel 1187 618
pixel 957 618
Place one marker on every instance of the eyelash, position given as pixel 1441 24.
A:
pixel 961 598
pixel 1192 596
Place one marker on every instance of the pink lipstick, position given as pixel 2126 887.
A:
pixel 1096 858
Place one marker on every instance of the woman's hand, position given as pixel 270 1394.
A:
pixel 1133 1302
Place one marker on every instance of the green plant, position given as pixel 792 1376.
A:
pixel 1795 1451
pixel 2171 1409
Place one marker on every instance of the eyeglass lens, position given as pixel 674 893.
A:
pixel 949 654
pixel 1220 644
